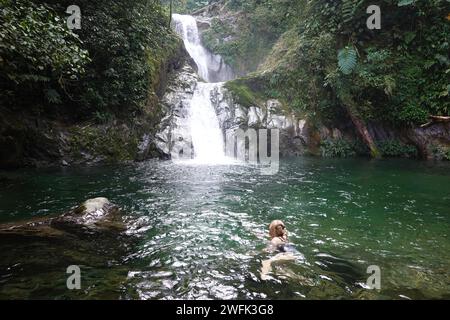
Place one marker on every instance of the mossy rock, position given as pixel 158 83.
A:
pixel 249 91
pixel 110 144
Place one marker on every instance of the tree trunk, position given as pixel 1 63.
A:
pixel 435 119
pixel 363 132
pixel 170 12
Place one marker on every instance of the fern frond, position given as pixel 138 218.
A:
pixel 347 59
pixel 402 3
pixel 349 8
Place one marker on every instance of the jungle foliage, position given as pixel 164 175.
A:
pixel 397 75
pixel 187 6
pixel 108 66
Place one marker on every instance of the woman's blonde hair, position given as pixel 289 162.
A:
pixel 273 227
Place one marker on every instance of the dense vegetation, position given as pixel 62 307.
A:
pixel 318 57
pixel 260 25
pixel 107 67
pixel 187 6
pixel 77 96
pixel 327 64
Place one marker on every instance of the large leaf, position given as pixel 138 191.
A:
pixel 347 59
pixel 349 8
pixel 402 3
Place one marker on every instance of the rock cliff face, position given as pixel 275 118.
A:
pixel 174 133
pixel 431 142
pixel 233 116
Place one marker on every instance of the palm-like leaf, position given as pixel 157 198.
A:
pixel 349 8
pixel 347 60
pixel 402 3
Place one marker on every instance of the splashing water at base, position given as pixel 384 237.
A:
pixel 206 134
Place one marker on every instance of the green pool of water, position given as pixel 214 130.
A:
pixel 200 231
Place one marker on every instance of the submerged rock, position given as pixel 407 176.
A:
pixel 341 268
pixel 37 252
pixel 93 216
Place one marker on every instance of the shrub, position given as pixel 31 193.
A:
pixel 440 153
pixel 337 148
pixel 395 148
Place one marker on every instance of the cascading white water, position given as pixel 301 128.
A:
pixel 207 137
pixel 211 67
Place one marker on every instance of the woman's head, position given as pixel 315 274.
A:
pixel 277 229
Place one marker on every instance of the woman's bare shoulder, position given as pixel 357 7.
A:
pixel 276 241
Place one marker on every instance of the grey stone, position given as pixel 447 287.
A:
pixel 174 133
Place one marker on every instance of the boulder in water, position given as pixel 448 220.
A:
pixel 93 216
pixel 39 251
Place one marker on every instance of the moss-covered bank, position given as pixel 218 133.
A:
pixel 82 96
pixel 30 138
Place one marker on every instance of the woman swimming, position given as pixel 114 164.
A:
pixel 286 251
pixel 279 243
pixel 278 234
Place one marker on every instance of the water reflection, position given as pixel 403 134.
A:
pixel 200 231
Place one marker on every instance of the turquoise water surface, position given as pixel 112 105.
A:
pixel 199 232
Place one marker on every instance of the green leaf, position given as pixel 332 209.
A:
pixel 402 3
pixel 347 60
pixel 53 96
pixel 409 36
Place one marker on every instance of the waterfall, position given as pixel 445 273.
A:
pixel 207 137
pixel 211 67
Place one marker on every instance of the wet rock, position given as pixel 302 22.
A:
pixel 255 117
pixel 430 141
pixel 93 216
pixel 144 148
pixel 90 236
pixel 270 115
pixel 174 130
